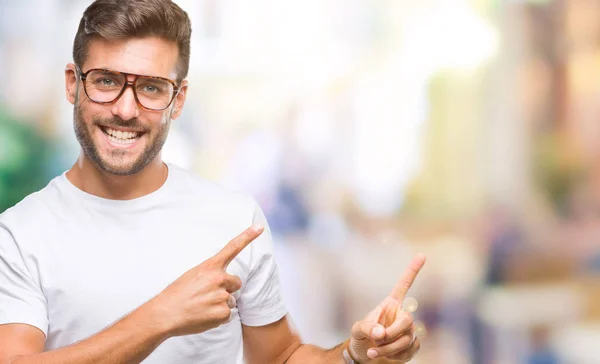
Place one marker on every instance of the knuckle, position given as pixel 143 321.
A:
pixel 409 320
pixel 405 342
pixel 223 296
pixel 398 348
pixel 217 279
pixel 222 312
pixel 406 320
pixel 237 282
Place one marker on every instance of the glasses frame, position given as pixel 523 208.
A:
pixel 83 77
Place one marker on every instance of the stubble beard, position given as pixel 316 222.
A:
pixel 114 163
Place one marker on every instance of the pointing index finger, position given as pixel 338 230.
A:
pixel 236 245
pixel 408 278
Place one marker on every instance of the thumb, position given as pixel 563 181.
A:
pixel 364 334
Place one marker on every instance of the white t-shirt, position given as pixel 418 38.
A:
pixel 72 263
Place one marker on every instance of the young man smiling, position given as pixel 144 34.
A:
pixel 126 259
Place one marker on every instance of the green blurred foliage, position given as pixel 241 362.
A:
pixel 24 157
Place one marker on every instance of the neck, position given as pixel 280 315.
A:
pixel 86 176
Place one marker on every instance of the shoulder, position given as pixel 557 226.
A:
pixel 36 207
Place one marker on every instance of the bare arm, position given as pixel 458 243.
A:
pixel 129 340
pixel 19 339
pixel 276 343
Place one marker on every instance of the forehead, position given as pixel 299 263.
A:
pixel 144 56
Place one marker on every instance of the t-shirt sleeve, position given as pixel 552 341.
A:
pixel 261 302
pixel 21 298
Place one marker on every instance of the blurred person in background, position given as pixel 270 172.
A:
pixel 101 266
pixel 542 352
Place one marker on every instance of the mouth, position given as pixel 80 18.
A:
pixel 121 138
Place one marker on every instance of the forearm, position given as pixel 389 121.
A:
pixel 128 341
pixel 314 354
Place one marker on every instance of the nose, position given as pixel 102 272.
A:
pixel 126 107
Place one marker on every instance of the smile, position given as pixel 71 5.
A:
pixel 121 137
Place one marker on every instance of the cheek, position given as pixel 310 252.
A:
pixel 163 119
pixel 155 123
pixel 86 114
pixel 86 107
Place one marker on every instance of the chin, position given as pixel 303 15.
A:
pixel 119 168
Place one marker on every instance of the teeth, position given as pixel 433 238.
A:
pixel 121 135
pixel 121 141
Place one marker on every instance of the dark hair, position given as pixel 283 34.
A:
pixel 123 19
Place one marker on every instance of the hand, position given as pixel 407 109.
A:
pixel 201 299
pixel 388 331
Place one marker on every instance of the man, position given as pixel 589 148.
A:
pixel 124 258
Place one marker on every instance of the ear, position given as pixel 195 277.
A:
pixel 71 83
pixel 179 100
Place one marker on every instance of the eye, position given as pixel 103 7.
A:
pixel 105 82
pixel 151 89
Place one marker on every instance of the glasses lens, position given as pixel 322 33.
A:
pixel 104 86
pixel 154 93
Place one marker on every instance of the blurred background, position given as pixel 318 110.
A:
pixel 370 130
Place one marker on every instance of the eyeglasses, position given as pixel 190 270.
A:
pixel 104 86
